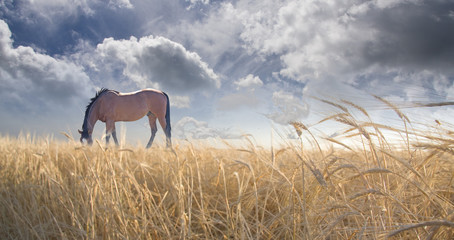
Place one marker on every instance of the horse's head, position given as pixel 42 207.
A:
pixel 85 135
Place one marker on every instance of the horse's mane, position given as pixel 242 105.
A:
pixel 92 101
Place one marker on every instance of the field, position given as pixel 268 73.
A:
pixel 377 189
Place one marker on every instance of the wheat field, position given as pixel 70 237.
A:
pixel 377 189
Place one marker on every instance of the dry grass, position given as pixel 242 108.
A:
pixel 57 190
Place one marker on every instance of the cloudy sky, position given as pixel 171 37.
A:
pixel 229 67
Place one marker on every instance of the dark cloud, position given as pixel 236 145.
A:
pixel 153 62
pixel 419 35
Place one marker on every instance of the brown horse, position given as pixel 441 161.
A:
pixel 110 106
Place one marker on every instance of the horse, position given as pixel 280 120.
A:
pixel 110 106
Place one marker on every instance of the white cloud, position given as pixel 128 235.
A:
pixel 401 48
pixel 120 4
pixel 53 10
pixel 191 128
pixel 180 101
pixel 236 101
pixel 154 61
pixel 248 82
pixel 309 35
pixel 288 108
pixel 5 38
pixel 36 81
pixel 320 39
pixel 215 35
pixel 194 3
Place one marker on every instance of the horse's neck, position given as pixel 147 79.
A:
pixel 92 118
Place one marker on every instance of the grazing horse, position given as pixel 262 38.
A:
pixel 110 106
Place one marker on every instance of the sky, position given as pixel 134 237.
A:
pixel 230 68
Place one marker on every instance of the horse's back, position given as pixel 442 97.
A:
pixel 146 91
pixel 133 106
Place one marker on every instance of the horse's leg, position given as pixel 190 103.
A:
pixel 163 123
pixel 154 129
pixel 107 136
pixel 110 130
pixel 114 135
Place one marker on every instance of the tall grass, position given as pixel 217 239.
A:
pixel 372 190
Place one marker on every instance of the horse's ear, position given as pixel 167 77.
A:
pixel 79 131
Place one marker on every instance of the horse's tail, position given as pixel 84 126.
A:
pixel 168 127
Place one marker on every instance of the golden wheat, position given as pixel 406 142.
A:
pixel 59 190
